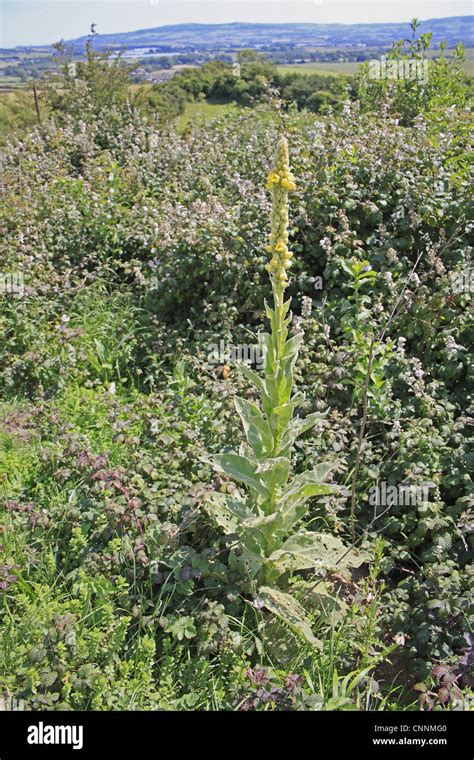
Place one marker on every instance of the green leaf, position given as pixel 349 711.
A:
pixel 246 564
pixel 274 472
pixel 315 477
pixel 233 517
pixel 295 401
pixel 306 550
pixel 246 451
pixel 259 382
pixel 286 306
pixel 321 598
pixel 256 427
pixel 291 505
pixel 301 488
pixel 289 611
pixel 241 469
pixel 284 412
pixel 270 313
pixel 269 354
pixel 253 377
pixel 297 427
pixel 227 512
pixel 292 347
pixel 257 535
pixel 259 521
pixel 283 385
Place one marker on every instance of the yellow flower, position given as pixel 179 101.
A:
pixel 273 179
pixel 281 181
pixel 288 184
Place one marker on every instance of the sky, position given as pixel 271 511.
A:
pixel 40 22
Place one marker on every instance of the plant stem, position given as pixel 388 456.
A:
pixel 361 437
pixel 278 343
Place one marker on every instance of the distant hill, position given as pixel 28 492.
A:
pixel 209 36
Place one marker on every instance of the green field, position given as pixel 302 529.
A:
pixel 203 111
pixel 338 68
pixel 330 69
pixel 7 84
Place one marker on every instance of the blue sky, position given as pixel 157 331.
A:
pixel 29 22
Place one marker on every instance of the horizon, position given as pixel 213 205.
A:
pixel 25 23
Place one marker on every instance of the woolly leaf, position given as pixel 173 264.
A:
pixel 297 427
pixel 289 611
pixel 274 472
pixel 259 382
pixel 291 505
pixel 306 550
pixel 228 513
pixel 256 427
pixel 241 469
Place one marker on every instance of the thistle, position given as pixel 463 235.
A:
pixel 264 519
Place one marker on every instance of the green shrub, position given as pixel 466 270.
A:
pixel 140 250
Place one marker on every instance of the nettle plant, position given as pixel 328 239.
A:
pixel 264 522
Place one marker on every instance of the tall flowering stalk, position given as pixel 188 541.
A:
pixel 264 519
pixel 280 182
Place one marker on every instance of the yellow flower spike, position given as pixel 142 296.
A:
pixel 282 158
pixel 280 181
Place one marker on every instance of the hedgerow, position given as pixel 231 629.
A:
pixel 140 249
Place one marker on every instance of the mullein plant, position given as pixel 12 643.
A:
pixel 268 544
